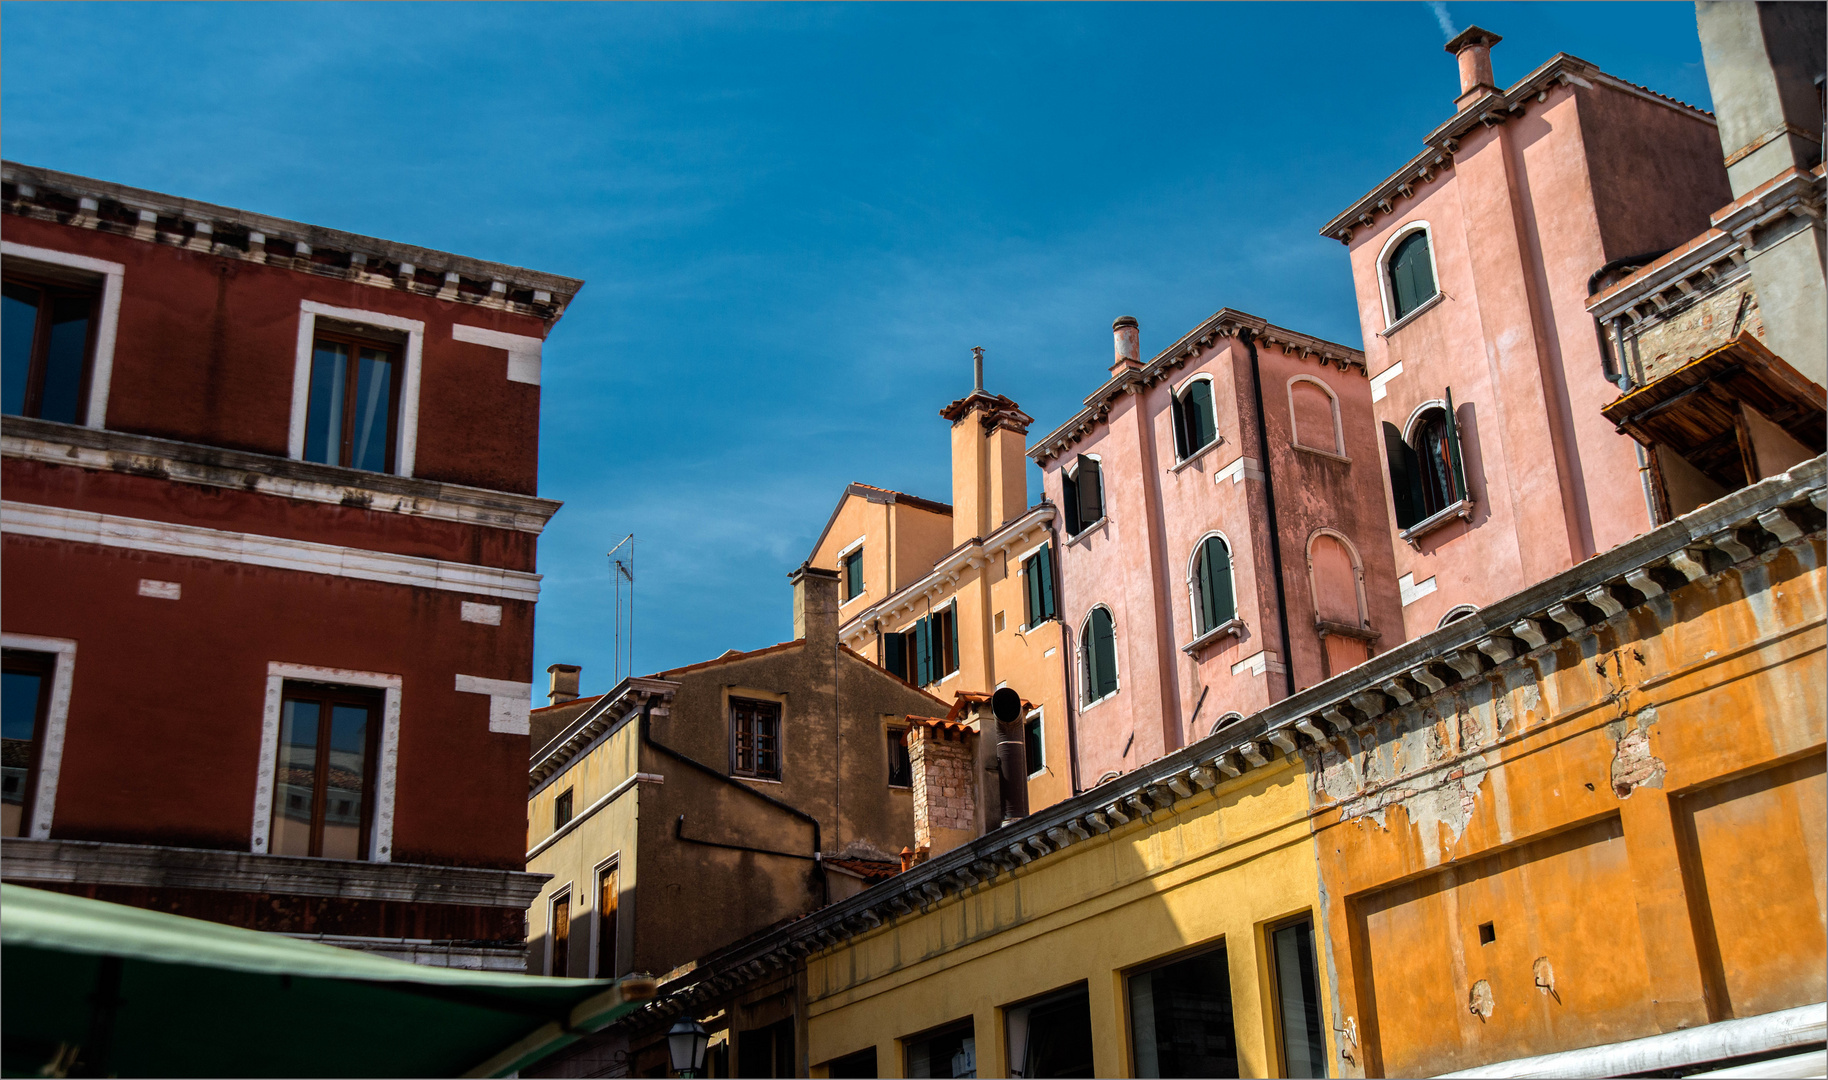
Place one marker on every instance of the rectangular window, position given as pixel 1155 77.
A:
pixel 560 961
pixel 324 783
pixel 756 730
pixel 1051 1036
pixel 561 810
pixel 1038 577
pixel 857 1065
pixel 25 694
pixel 901 770
pixel 354 404
pixel 895 650
pixel 853 574
pixel 1034 734
pixel 609 903
pixel 46 340
pixel 933 643
pixel 1297 982
pixel 766 1051
pixel 1180 1018
pixel 946 1051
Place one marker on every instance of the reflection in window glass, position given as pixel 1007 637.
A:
pixel 1051 1037
pixel 66 346
pixel 295 784
pixel 561 936
pixel 343 782
pixel 18 328
pixel 1180 1018
pixel 322 780
pixel 44 350
pixel 950 1051
pixel 23 689
pixel 349 419
pixel 1298 1001
pixel 324 418
pixel 373 394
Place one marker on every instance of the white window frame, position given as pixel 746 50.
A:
pixel 1084 640
pixel 1458 611
pixel 56 722
pixel 844 553
pixel 1072 473
pixel 1415 418
pixel 1391 322
pixel 107 324
pixel 1193 583
pixel 387 757
pixel 1294 425
pixel 1358 572
pixel 614 862
pixel 1178 393
pixel 1038 713
pixel 406 443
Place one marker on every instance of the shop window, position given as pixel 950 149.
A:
pixel 1051 1036
pixel 950 1051
pixel 609 905
pixel 25 693
pixel 1180 1018
pixel 926 652
pixel 1034 735
pixel 1427 475
pixel 1097 656
pixel 1297 988
pixel 1195 426
pixel 561 810
pixel 901 769
pixel 1038 578
pixel 853 574
pixel 324 782
pixel 1082 490
pixel 755 728
pixel 47 333
pixel 1209 578
pixel 353 413
pixel 558 963
pixel 1409 275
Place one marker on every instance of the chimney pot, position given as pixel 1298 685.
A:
pixel 564 683
pixel 1126 343
pixel 1473 48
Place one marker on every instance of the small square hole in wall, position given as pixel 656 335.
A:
pixel 999 622
pixel 1487 934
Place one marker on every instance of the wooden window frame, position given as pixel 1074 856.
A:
pixel 558 955
pixel 565 801
pixel 897 736
pixel 51 288
pixel 355 342
pixel 1277 1026
pixel 604 933
pixel 43 665
pixel 753 769
pixel 327 695
pixel 853 557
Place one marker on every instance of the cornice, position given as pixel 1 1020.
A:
pixel 154 217
pixel 608 713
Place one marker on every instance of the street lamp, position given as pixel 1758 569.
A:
pixel 686 1043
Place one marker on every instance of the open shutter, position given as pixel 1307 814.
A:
pixel 1405 477
pixel 1202 424
pixel 1069 497
pixel 1218 573
pixel 1454 464
pixel 1202 583
pixel 951 618
pixel 1044 560
pixel 1087 667
pixel 895 654
pixel 1031 587
pixel 1105 645
pixel 1178 412
pixel 923 652
pixel 1091 492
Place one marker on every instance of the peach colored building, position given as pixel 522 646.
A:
pixel 1221 534
pixel 1473 265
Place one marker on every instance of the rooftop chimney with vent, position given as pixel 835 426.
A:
pixel 1126 340
pixel 564 683
pixel 1473 48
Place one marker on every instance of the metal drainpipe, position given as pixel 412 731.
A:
pixel 1066 660
pixel 1269 497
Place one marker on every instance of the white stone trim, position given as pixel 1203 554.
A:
pixel 161 590
pixel 1257 663
pixel 381 837
pixel 1402 233
pixel 1382 380
pixel 1193 585
pixel 1294 426
pixel 1413 590
pixel 191 541
pixel 56 721
pixel 107 324
pixel 485 614
pixel 523 351
pixel 407 436
pixel 1240 470
pixel 509 702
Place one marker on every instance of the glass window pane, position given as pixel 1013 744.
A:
pixel 561 936
pixel 1180 1019
pixel 1298 998
pixel 952 1052
pixel 18 326
pixel 1036 746
pixel 346 781
pixel 20 693
pixel 295 779
pixel 324 415
pixel 373 410
pixel 66 349
pixel 609 899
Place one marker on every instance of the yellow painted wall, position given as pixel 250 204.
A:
pixel 1220 867
pixel 573 859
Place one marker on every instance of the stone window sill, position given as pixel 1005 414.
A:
pixel 1339 629
pixel 1317 452
pixel 1090 705
pixel 1087 531
pixel 1414 533
pixel 1197 454
pixel 1412 316
pixel 1233 628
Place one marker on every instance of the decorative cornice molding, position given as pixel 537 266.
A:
pixel 607 713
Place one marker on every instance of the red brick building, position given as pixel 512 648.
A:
pixel 269 520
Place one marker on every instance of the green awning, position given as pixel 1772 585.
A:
pixel 121 991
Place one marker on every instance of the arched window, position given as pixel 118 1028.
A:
pixel 1082 490
pixel 1336 577
pixel 1195 424
pixel 1228 718
pixel 1097 656
pixel 1409 274
pixel 1427 475
pixel 1456 614
pixel 1209 580
pixel 1314 415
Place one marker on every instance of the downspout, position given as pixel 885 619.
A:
pixel 1066 659
pixel 1269 498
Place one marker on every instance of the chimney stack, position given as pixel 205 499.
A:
pixel 564 683
pixel 1473 48
pixel 815 604
pixel 1126 340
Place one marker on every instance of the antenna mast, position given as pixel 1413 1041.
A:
pixel 624 567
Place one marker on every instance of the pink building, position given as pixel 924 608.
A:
pixel 1221 535
pixel 1473 265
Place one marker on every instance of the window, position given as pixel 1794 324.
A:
pixel 354 404
pixel 1409 274
pixel 1314 415
pixel 48 332
pixel 860 1064
pixel 1097 656
pixel 1214 603
pixel 1427 475
pixel 558 961
pixel 609 904
pixel 901 769
pixel 1456 614
pixel 1082 490
pixel 756 729
pixel 25 695
pixel 1034 736
pixel 767 1051
pixel 926 652
pixel 561 810
pixel 1335 577
pixel 1051 1036
pixel 1038 576
pixel 1297 1000
pixel 946 1051
pixel 1195 426
pixel 1180 1018
pixel 853 574
pixel 324 782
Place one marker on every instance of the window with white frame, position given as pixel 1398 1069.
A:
pixel 1407 273
pixel 1082 492
pixel 1314 416
pixel 1195 423
pixel 57 334
pixel 355 389
pixel 1097 656
pixel 1427 474
pixel 1209 583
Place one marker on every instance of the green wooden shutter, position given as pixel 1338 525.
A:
pixel 923 652
pixel 1202 425
pixel 1202 582
pixel 1104 644
pixel 895 654
pixel 1091 492
pixel 1405 477
pixel 1218 574
pixel 1178 413
pixel 1087 675
pixel 1411 275
pixel 1454 464
pixel 1069 498
pixel 951 632
pixel 1045 557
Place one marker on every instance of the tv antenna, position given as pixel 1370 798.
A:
pixel 621 567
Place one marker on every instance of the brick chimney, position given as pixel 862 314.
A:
pixel 564 683
pixel 1126 340
pixel 943 756
pixel 1473 48
pixel 815 604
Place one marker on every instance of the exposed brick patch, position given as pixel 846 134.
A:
pixel 944 796
pixel 1633 765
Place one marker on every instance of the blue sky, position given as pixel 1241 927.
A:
pixel 794 221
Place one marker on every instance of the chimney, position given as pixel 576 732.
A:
pixel 943 759
pixel 1473 48
pixel 564 683
pixel 1125 338
pixel 815 604
pixel 989 462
